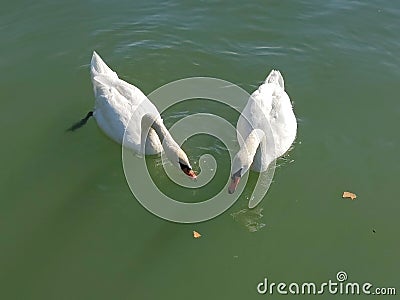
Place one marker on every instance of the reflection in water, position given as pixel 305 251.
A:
pixel 251 219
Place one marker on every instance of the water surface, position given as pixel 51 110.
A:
pixel 70 227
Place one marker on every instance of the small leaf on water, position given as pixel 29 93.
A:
pixel 196 235
pixel 349 195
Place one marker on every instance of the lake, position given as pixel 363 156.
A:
pixel 70 228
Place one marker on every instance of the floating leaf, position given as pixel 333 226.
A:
pixel 349 195
pixel 196 235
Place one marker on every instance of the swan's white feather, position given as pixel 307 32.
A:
pixel 119 104
pixel 269 108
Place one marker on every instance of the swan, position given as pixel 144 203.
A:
pixel 265 130
pixel 121 108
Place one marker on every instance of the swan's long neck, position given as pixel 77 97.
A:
pixel 251 143
pixel 172 150
pixel 164 135
pixel 154 122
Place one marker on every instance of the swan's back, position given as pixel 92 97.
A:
pixel 269 106
pixel 118 104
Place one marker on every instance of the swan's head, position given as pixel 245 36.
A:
pixel 241 164
pixel 244 158
pixel 184 165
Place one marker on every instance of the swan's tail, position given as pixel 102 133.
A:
pixel 80 123
pixel 99 67
pixel 275 77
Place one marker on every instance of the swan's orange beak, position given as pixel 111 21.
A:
pixel 190 173
pixel 234 183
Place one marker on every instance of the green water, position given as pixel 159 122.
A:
pixel 70 227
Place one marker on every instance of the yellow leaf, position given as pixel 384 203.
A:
pixel 349 195
pixel 196 235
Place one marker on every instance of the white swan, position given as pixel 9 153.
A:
pixel 121 108
pixel 265 130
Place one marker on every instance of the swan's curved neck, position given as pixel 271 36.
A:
pixel 155 122
pixel 251 143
